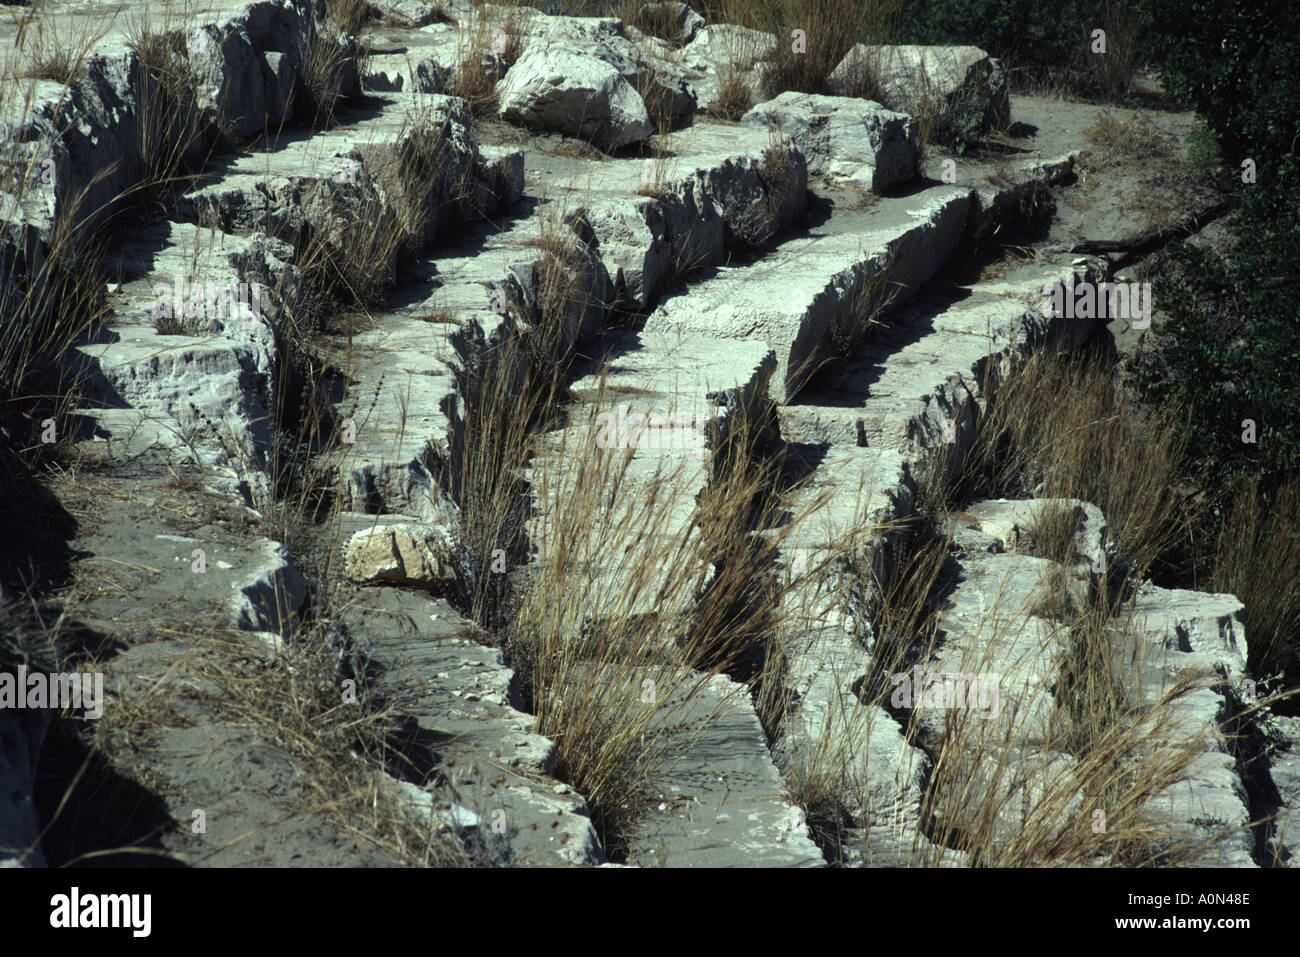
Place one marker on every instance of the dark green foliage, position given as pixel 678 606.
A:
pixel 1034 34
pixel 1231 350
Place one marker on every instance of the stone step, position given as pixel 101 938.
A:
pixel 721 802
pixel 864 426
pixel 831 734
pixel 670 402
pixel 362 169
pixel 460 694
pixel 809 298
pixel 243 84
pixel 988 684
pixel 1283 845
pixel 1008 525
pixel 915 384
pixel 191 345
pixel 1175 635
pixel 708 209
pixel 1000 646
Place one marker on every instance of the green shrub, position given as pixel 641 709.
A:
pixel 1231 347
pixel 1031 33
pixel 1230 350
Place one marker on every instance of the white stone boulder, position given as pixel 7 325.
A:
pixel 674 22
pixel 724 53
pixel 962 78
pixel 850 142
pixel 578 94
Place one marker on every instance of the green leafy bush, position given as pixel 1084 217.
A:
pixel 1231 349
pixel 1028 33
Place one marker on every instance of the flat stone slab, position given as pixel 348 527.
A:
pixel 803 295
pixel 912 383
pixel 831 733
pixel 1180 637
pixel 668 401
pixel 1193 621
pixel 401 427
pixel 997 658
pixel 1013 522
pixel 486 751
pixel 723 802
pixel 191 346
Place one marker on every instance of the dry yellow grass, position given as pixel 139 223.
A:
pixel 1256 558
pixel 1092 446
pixel 628 609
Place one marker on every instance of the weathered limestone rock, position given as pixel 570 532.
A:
pixel 852 143
pixel 689 394
pixel 998 639
pixel 723 802
pixel 411 14
pixel 461 695
pixel 678 23
pixel 1192 644
pixel 1283 845
pixel 1013 523
pixel 580 95
pixel 270 593
pixel 832 735
pixel 1193 621
pixel 503 170
pixel 722 202
pixel 278 73
pixel 635 247
pixel 221 59
pixel 724 53
pixel 805 300
pixel 960 78
pixel 405 554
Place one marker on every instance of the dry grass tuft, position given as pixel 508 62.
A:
pixel 329 56
pixel 1053 533
pixel 735 96
pixel 46 307
pixel 1112 71
pixel 348 16
pixel 803 61
pixel 56 54
pixel 169 121
pixel 375 225
pixel 295 700
pixel 1124 134
pixel 485 52
pixel 1095 447
pixel 1083 789
pixel 1255 559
